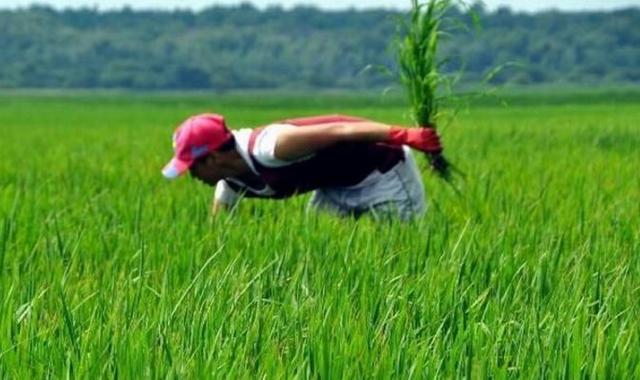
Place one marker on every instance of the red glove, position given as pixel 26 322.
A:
pixel 423 139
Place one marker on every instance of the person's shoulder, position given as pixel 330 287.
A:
pixel 265 145
pixel 242 137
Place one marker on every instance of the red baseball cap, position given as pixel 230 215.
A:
pixel 196 137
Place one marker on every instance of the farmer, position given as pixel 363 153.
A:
pixel 354 166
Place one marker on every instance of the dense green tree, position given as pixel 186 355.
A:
pixel 243 47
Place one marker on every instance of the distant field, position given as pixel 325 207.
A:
pixel 107 270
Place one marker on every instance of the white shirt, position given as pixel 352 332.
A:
pixel 263 152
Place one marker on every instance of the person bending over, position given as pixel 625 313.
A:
pixel 354 166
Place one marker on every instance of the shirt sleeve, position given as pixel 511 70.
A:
pixel 225 194
pixel 265 146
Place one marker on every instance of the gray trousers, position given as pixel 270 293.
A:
pixel 396 193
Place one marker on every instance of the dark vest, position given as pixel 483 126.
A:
pixel 341 165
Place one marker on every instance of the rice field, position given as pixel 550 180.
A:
pixel 109 271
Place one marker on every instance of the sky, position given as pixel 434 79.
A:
pixel 518 5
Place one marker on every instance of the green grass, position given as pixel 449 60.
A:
pixel 106 270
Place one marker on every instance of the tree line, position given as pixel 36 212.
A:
pixel 243 47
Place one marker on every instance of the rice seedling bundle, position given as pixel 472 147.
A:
pixel 419 66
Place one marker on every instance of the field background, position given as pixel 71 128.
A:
pixel 107 270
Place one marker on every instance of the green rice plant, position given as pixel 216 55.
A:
pixel 108 271
pixel 419 66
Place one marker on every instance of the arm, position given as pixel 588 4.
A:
pixel 294 143
pixel 224 198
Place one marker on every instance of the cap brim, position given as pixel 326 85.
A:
pixel 175 168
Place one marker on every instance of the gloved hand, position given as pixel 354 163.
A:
pixel 423 139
